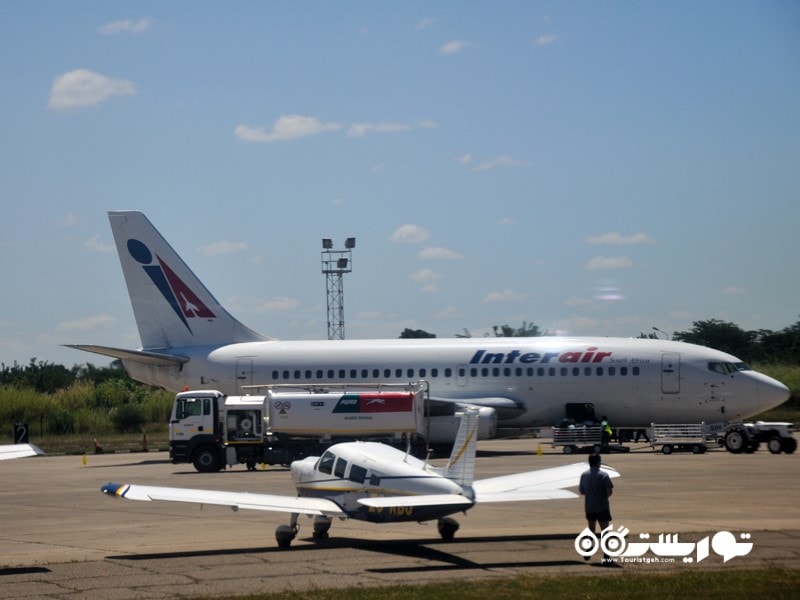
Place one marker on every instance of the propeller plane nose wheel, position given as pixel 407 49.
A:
pixel 447 528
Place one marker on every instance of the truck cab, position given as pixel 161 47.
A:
pixel 195 432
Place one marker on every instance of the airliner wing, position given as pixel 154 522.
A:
pixel 417 500
pixel 497 403
pixel 545 484
pixel 10 451
pixel 235 500
pixel 142 356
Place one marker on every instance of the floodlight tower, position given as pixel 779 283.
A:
pixel 336 263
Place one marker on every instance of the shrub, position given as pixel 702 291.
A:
pixel 128 418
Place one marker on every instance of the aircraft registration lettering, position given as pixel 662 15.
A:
pixel 394 511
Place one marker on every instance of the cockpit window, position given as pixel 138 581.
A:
pixel 726 368
pixel 326 463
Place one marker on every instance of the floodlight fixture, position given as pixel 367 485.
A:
pixel 350 243
pixel 327 243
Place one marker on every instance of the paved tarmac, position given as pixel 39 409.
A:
pixel 61 538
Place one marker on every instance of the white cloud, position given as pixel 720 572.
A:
pixel 87 323
pixel 127 26
pixel 507 295
pixel 733 290
pixel 363 129
pixel 451 312
pixel 507 221
pixel 95 245
pixel 546 40
pixel 438 253
pixel 280 304
pixel 499 161
pixel 83 88
pixel 425 276
pixel 410 234
pixel 466 159
pixel 287 127
pixel 70 220
pixel 424 23
pixel 617 239
pixel 599 263
pixel 453 47
pixel 222 247
pixel 579 301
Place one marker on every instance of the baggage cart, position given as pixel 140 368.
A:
pixel 678 436
pixel 578 438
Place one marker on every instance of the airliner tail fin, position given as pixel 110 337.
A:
pixel 171 305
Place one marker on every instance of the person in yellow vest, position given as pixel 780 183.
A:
pixel 607 431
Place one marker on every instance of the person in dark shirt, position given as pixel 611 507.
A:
pixel 596 488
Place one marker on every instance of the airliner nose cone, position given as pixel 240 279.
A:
pixel 772 393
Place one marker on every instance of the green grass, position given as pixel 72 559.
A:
pixel 109 442
pixel 729 584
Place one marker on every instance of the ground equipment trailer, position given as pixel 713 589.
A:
pixel 288 422
pixel 576 438
pixel 678 436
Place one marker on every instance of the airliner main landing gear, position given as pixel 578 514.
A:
pixel 447 528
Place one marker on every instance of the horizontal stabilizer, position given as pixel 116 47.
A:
pixel 140 356
pixel 419 500
pixel 545 484
pixel 234 500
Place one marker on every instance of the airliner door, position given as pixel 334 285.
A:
pixel 244 373
pixel 670 373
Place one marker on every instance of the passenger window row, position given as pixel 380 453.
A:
pixel 412 374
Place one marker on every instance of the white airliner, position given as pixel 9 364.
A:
pixel 189 341
pixel 374 482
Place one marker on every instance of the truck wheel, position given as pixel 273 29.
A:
pixel 775 444
pixel 698 448
pixel 207 460
pixel 666 449
pixel 569 449
pixel 735 441
pixel 789 445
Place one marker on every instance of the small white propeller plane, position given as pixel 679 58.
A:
pixel 374 482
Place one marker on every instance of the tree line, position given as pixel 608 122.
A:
pixel 762 345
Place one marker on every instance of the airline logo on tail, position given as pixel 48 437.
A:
pixel 183 300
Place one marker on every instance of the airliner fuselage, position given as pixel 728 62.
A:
pixel 634 382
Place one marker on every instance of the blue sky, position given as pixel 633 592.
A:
pixel 598 168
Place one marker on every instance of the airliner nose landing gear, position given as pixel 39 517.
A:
pixel 447 528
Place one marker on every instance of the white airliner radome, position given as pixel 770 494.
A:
pixel 374 482
pixel 189 341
